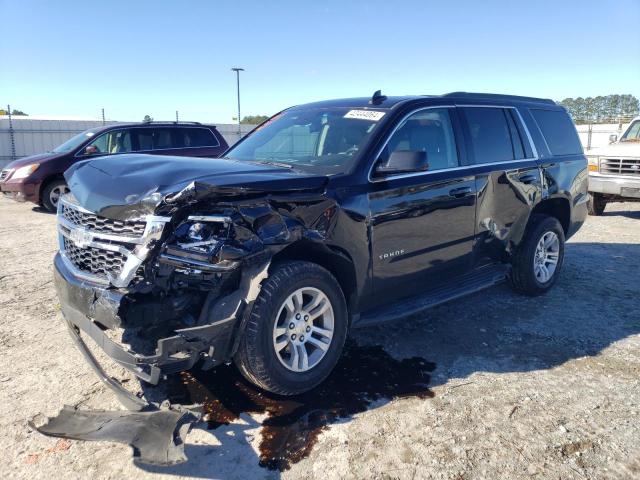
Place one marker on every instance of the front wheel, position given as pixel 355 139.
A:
pixel 51 194
pixel 538 260
pixel 296 329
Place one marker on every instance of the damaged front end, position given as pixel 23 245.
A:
pixel 162 290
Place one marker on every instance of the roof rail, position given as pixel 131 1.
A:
pixel 497 96
pixel 173 122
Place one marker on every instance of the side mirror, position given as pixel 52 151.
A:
pixel 404 161
pixel 613 138
pixel 91 150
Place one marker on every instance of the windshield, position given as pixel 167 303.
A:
pixel 76 141
pixel 633 133
pixel 319 140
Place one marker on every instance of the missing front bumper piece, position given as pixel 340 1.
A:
pixel 157 437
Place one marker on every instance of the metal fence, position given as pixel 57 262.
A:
pixel 24 136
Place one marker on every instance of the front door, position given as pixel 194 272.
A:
pixel 422 224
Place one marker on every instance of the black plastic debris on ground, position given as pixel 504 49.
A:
pixel 364 375
pixel 157 437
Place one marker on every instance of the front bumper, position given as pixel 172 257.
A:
pixel 90 309
pixel 622 186
pixel 20 191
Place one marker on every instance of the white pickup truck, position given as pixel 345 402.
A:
pixel 614 170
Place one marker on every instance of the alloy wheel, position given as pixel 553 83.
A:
pixel 303 329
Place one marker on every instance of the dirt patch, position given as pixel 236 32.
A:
pixel 543 387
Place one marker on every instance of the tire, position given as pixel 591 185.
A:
pixel 257 358
pixel 596 204
pixel 51 192
pixel 526 277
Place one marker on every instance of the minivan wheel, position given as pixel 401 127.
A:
pixel 52 193
pixel 537 263
pixel 296 329
pixel 596 204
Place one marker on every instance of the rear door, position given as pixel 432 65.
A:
pixel 507 176
pixel 422 224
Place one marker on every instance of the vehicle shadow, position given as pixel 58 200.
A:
pixel 623 213
pixel 493 331
pixel 39 209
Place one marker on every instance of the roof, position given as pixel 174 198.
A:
pixel 392 101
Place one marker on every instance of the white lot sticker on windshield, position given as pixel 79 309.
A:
pixel 370 115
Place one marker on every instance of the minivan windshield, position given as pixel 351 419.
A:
pixel 633 133
pixel 76 141
pixel 319 140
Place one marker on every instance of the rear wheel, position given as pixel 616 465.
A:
pixel 596 204
pixel 537 263
pixel 296 329
pixel 51 194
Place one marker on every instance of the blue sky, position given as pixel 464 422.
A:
pixel 153 57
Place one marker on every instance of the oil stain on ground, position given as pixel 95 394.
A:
pixel 364 374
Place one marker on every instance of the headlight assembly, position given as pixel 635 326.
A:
pixel 594 163
pixel 24 172
pixel 197 241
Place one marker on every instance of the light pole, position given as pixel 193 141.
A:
pixel 238 70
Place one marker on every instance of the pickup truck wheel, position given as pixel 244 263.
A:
pixel 296 329
pixel 537 263
pixel 52 193
pixel 596 204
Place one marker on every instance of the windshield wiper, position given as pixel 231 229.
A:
pixel 275 164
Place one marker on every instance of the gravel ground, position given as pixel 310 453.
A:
pixel 544 387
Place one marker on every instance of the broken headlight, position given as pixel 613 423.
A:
pixel 197 241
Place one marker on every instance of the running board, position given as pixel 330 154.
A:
pixel 467 284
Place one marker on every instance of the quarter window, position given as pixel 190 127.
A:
pixel 490 134
pixel 558 131
pixel 427 131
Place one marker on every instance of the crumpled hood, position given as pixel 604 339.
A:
pixel 129 186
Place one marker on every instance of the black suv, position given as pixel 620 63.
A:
pixel 328 216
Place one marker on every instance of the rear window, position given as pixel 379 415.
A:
pixel 558 131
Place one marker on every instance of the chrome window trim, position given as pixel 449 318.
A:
pixel 462 167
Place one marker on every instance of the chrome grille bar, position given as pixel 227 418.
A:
pixel 620 166
pixel 103 250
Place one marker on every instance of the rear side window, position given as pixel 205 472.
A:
pixel 144 138
pixel 162 139
pixel 558 131
pixel 196 137
pixel 490 134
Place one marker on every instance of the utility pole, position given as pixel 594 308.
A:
pixel 11 135
pixel 177 116
pixel 238 70
pixel 103 122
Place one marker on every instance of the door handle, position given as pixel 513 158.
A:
pixel 460 192
pixel 527 178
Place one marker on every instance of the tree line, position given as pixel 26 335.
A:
pixel 602 109
pixel 4 111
